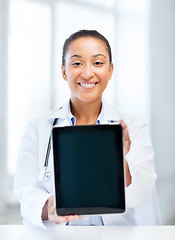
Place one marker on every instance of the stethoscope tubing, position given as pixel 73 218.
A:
pixel 49 146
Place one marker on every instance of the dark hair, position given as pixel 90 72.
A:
pixel 85 33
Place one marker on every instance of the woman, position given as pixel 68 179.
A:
pixel 87 67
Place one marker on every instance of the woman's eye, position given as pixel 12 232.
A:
pixel 98 63
pixel 76 64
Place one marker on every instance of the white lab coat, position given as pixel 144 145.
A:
pixel 33 193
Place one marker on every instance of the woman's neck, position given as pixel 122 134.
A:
pixel 85 112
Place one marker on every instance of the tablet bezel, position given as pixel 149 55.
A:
pixel 89 210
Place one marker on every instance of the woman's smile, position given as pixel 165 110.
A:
pixel 87 85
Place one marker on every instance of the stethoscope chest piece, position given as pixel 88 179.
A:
pixel 44 174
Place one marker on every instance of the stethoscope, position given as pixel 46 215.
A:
pixel 45 173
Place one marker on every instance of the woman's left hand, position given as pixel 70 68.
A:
pixel 126 146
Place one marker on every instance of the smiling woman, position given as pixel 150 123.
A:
pixel 87 67
pixel 87 73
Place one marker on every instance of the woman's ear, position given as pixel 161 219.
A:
pixel 110 70
pixel 64 72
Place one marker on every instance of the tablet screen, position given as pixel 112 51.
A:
pixel 88 167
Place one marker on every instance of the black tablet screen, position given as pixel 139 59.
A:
pixel 88 163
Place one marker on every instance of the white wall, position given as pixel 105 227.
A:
pixel 163 102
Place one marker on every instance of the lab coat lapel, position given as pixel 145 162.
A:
pixel 110 114
pixel 44 135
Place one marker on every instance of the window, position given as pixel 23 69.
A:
pixel 28 69
pixel 133 57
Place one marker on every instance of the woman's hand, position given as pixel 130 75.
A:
pixel 52 217
pixel 126 146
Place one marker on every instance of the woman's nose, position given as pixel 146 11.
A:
pixel 87 72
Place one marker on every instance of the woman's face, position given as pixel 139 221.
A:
pixel 87 68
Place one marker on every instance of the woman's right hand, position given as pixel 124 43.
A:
pixel 52 217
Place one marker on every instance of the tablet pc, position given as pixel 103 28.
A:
pixel 88 169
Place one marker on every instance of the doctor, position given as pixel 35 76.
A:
pixel 87 67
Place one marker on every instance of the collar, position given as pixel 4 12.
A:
pixel 60 113
pixel 72 119
pixel 106 115
pixel 70 116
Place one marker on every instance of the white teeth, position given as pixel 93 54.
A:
pixel 87 85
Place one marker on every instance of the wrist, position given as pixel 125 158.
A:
pixel 128 178
pixel 45 211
